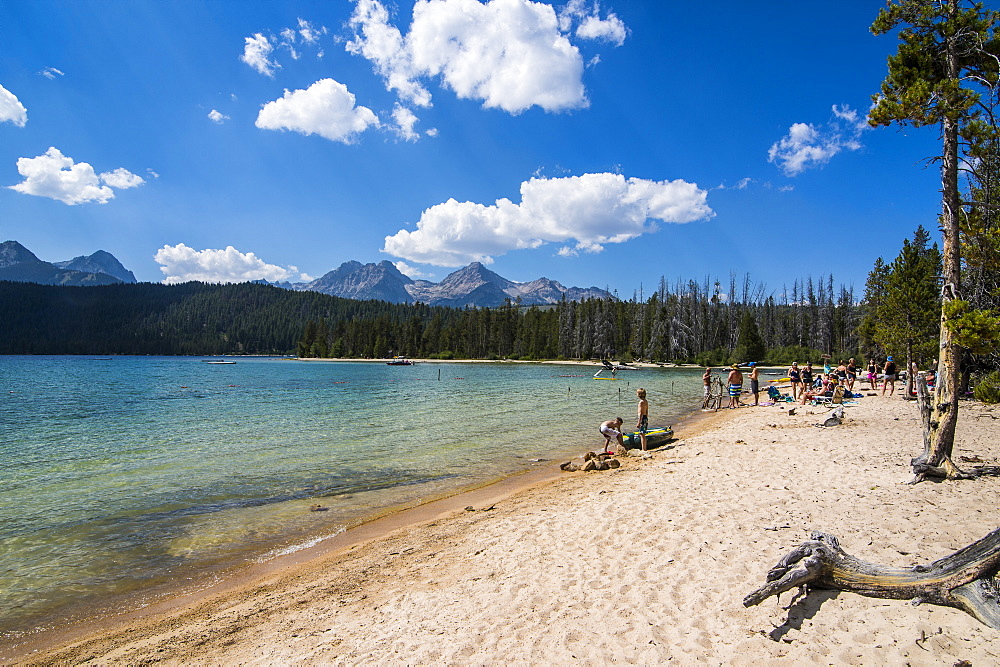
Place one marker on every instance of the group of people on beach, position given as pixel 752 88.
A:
pixel 807 384
pixel 612 428
pixel 734 383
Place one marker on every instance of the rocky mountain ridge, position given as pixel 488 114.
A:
pixel 19 264
pixel 473 285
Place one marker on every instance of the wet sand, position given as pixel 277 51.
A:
pixel 644 564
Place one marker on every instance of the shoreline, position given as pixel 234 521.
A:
pixel 148 602
pixel 644 564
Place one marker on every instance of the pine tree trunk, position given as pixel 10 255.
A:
pixel 944 417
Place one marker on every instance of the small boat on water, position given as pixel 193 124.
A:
pixel 399 361
pixel 217 361
pixel 613 367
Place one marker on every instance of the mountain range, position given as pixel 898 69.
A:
pixel 19 264
pixel 473 285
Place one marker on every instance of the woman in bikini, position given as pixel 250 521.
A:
pixel 807 377
pixel 795 379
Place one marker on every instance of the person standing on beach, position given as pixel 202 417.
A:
pixel 642 422
pixel 735 386
pixel 706 380
pixel 852 374
pixel 889 370
pixel 754 382
pixel 842 373
pixel 807 377
pixel 612 429
pixel 794 379
pixel 872 373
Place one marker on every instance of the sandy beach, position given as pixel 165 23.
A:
pixel 645 564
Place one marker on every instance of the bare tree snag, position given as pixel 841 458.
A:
pixel 922 469
pixel 964 580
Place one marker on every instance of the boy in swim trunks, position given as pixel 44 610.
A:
pixel 735 386
pixel 642 423
pixel 612 429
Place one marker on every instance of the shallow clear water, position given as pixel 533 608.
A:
pixel 119 474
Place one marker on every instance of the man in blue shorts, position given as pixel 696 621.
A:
pixel 735 386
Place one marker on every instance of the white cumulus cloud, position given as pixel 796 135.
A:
pixel 411 271
pixel 590 25
pixel 58 177
pixel 510 54
pixel 586 212
pixel 183 264
pixel 325 108
pixel 11 109
pixel 383 44
pixel 309 33
pixel 257 53
pixel 405 120
pixel 807 146
pixel 258 50
pixel 121 179
pixel 217 116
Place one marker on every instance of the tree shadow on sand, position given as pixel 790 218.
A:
pixel 802 607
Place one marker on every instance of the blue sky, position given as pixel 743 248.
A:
pixel 603 144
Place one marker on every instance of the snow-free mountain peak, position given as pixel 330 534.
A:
pixel 472 285
pixel 19 264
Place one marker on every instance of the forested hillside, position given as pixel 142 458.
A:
pixel 147 318
pixel 688 322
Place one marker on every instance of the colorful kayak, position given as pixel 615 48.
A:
pixel 655 437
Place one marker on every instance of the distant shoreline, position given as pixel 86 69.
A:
pixel 563 362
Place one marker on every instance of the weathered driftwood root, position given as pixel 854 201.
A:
pixel 947 470
pixel 964 580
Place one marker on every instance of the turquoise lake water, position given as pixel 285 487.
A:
pixel 120 475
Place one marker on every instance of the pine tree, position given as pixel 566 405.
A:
pixel 935 77
pixel 909 314
pixel 749 345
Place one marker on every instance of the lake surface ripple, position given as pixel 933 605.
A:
pixel 119 475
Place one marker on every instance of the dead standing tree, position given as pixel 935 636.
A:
pixel 966 580
pixel 921 468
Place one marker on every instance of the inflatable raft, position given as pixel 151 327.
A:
pixel 655 437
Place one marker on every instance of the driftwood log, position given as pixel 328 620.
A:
pixel 966 580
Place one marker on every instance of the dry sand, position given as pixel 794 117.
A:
pixel 646 564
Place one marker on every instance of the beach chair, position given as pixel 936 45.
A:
pixel 829 401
